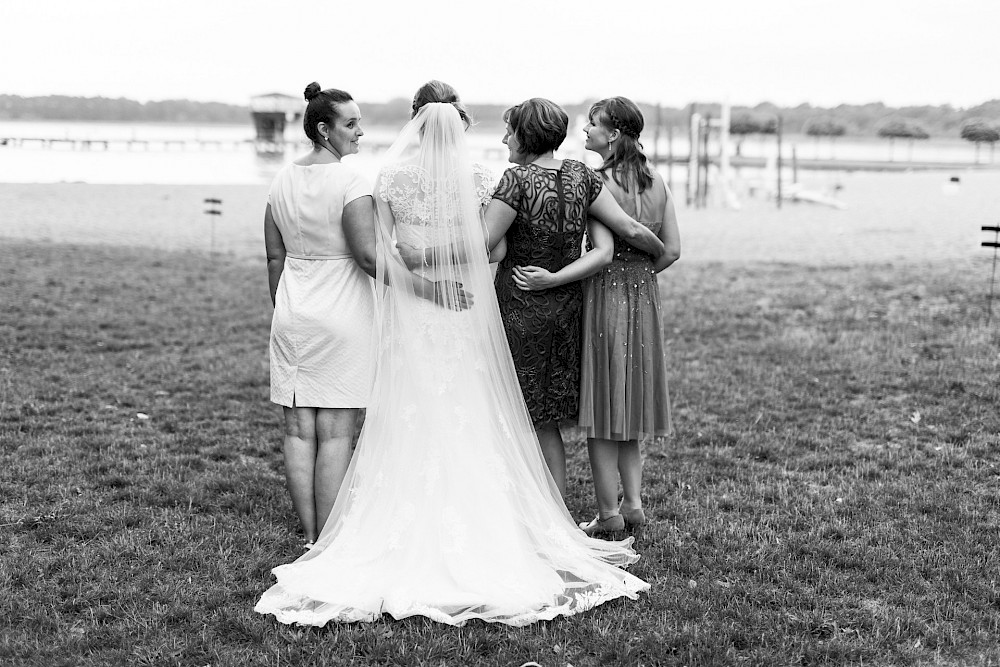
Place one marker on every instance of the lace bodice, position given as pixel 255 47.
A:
pixel 409 195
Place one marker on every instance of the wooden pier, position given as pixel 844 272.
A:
pixel 127 144
pixel 98 144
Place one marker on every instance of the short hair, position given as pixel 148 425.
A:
pixel 439 91
pixel 322 108
pixel 539 125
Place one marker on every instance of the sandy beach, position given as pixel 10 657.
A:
pixel 903 217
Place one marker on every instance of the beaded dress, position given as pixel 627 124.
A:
pixel 623 386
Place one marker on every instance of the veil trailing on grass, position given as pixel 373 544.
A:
pixel 448 509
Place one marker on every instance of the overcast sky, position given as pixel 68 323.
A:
pixel 824 52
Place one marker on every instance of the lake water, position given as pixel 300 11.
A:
pixel 233 160
pixel 172 153
pixel 154 197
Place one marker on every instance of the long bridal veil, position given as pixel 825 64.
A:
pixel 448 510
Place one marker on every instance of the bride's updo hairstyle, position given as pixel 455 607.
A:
pixel 539 124
pixel 627 162
pixel 439 91
pixel 322 108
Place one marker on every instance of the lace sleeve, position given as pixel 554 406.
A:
pixel 485 183
pixel 593 182
pixel 382 185
pixel 509 189
pixel 383 210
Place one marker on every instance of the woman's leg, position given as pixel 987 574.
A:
pixel 334 433
pixel 300 465
pixel 554 452
pixel 630 470
pixel 604 464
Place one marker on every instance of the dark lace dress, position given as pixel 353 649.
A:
pixel 543 328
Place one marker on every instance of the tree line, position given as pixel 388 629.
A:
pixel 977 123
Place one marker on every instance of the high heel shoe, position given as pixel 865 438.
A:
pixel 634 518
pixel 599 526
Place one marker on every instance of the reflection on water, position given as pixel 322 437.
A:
pixel 181 153
pixel 172 154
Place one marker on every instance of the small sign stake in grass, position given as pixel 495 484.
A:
pixel 995 244
pixel 214 209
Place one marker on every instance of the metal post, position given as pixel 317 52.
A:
pixel 778 132
pixel 995 244
pixel 725 173
pixel 706 161
pixel 670 157
pixel 656 135
pixel 214 210
pixel 694 129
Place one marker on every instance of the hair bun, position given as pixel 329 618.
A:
pixel 312 90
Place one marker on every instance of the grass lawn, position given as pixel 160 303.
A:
pixel 832 494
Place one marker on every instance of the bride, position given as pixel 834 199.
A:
pixel 448 510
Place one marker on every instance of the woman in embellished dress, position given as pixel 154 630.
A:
pixel 449 511
pixel 320 243
pixel 623 385
pixel 541 207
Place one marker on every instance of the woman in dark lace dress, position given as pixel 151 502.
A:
pixel 540 208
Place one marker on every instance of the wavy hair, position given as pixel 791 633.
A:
pixel 627 163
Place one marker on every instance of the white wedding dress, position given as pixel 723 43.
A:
pixel 448 510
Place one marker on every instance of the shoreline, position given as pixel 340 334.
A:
pixel 890 218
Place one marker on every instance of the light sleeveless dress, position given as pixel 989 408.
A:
pixel 321 332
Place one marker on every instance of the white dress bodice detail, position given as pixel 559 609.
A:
pixel 409 193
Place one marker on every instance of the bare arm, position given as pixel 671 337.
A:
pixel 359 230
pixel 499 217
pixel 499 251
pixel 533 278
pixel 607 210
pixel 670 236
pixel 274 247
pixel 445 293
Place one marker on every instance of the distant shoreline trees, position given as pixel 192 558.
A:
pixel 743 123
pixel 980 130
pixel 894 128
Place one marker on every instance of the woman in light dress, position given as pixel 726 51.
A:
pixel 623 379
pixel 318 231
pixel 448 509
